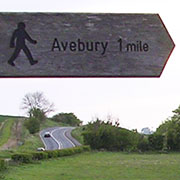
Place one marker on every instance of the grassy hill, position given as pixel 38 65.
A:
pixel 77 134
pixel 4 117
pixel 14 136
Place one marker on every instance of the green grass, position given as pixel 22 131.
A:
pixel 5 133
pixel 50 123
pixel 6 154
pixel 4 117
pixel 31 144
pixel 101 166
pixel 77 134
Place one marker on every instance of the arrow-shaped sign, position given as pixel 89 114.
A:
pixel 83 45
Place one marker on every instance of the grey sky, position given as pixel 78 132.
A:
pixel 137 102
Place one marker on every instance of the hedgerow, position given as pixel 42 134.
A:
pixel 29 157
pixel 3 164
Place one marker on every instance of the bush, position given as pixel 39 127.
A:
pixel 34 156
pixel 22 157
pixel 86 148
pixel 102 135
pixel 67 118
pixel 39 155
pixel 52 154
pixel 143 144
pixel 156 141
pixel 3 164
pixel 33 125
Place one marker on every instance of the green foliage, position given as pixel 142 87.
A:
pixel 3 164
pixel 173 135
pixel 39 156
pixel 29 157
pixel 4 117
pixel 49 123
pixel 143 144
pixel 101 135
pixel 5 132
pixel 101 166
pixel 170 129
pixel 22 157
pixel 38 114
pixel 156 141
pixel 52 154
pixel 33 125
pixel 86 148
pixel 77 134
pixel 67 118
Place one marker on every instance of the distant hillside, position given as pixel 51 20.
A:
pixel 4 117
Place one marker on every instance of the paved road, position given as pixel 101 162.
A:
pixel 60 138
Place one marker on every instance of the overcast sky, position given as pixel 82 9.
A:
pixel 137 102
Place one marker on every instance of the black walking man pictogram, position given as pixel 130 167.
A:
pixel 18 41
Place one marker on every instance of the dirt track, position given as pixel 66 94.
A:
pixel 15 136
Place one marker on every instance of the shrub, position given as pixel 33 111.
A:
pixel 33 125
pixel 34 156
pixel 156 141
pixel 143 144
pixel 67 118
pixel 52 154
pixel 103 135
pixel 86 148
pixel 39 155
pixel 3 164
pixel 22 157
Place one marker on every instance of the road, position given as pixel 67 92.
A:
pixel 60 138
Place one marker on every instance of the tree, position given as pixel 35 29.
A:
pixel 38 114
pixel 36 101
pixel 156 141
pixel 103 135
pixel 170 129
pixel 33 125
pixel 67 118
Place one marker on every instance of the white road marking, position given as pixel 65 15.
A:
pixel 43 140
pixel 60 145
pixel 68 138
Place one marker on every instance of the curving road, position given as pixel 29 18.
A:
pixel 60 138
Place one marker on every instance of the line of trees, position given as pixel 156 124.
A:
pixel 103 135
pixel 170 130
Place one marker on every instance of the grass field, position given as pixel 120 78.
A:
pixel 4 117
pixel 5 133
pixel 29 142
pixel 77 134
pixel 49 123
pixel 101 166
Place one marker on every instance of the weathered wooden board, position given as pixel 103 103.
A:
pixel 83 45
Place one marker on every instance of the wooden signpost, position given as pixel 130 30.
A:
pixel 83 45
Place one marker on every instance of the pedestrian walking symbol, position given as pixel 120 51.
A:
pixel 18 39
